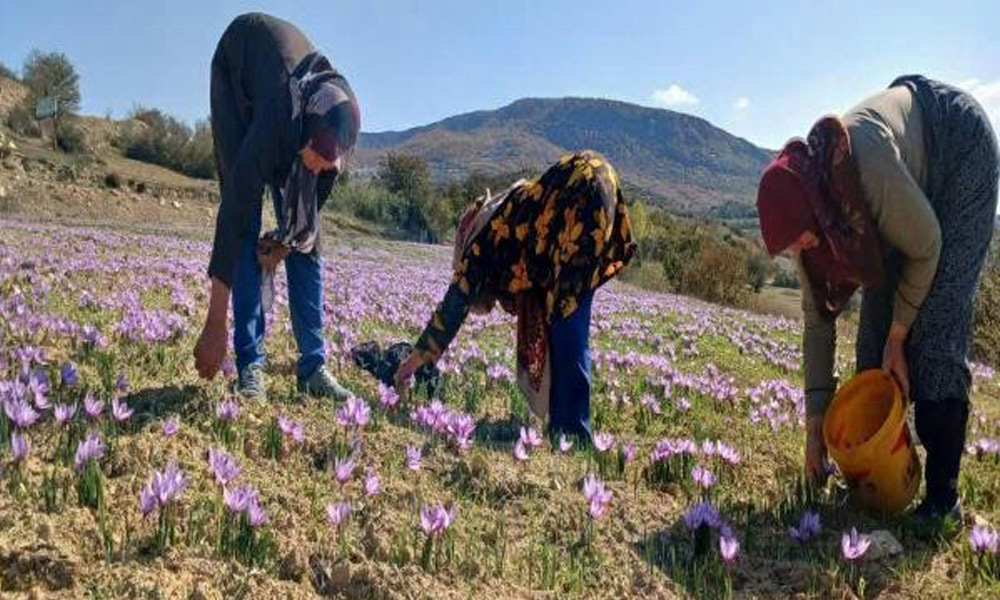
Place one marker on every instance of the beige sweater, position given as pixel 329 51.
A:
pixel 887 139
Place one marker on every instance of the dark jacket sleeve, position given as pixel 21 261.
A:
pixel 241 195
pixel 467 284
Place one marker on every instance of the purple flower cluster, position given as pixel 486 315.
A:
pixel 245 500
pixel 983 539
pixel 808 528
pixel 528 440
pixel 354 413
pixel 227 411
pixel 89 449
pixel 163 489
pixel 292 429
pixel 777 403
pixel 598 497
pixel 457 427
pixel 984 447
pixel 337 513
pixel 436 519
pixel 853 545
pixel 388 399
pixel 224 467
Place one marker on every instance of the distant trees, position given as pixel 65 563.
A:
pixel 157 137
pixel 6 73
pixel 51 74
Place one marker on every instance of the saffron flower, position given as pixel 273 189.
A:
pixel 238 498
pixel 228 368
pixel 354 412
pixel 64 412
pixel 413 457
pixel 372 483
pixel 809 527
pixel 147 500
pixel 628 451
pixel 598 498
pixel 854 545
pixel 227 411
pixel 256 515
pixel 93 406
pixel 344 469
pixel 337 513
pixel 91 448
pixel 120 410
pixel 436 519
pixel 387 397
pixel 603 441
pixel 530 437
pixel 520 451
pixel 224 467
pixel 703 477
pixel 171 427
pixel 291 429
pixel 164 488
pixel 21 413
pixel 19 446
pixel 69 375
pixel 984 540
pixel 700 514
pixel 565 444
pixel 729 547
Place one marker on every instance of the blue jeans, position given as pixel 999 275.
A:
pixel 569 397
pixel 305 303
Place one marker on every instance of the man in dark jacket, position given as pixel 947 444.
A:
pixel 284 118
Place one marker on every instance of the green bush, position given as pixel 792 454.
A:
pixel 786 279
pixel 21 119
pixel 70 136
pixel 717 274
pixel 161 139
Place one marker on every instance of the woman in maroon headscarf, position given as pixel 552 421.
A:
pixel 898 197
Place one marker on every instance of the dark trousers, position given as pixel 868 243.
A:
pixel 569 348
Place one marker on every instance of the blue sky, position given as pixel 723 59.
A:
pixel 762 70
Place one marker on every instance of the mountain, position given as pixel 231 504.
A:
pixel 682 162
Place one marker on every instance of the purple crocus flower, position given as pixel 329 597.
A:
pixel 413 457
pixel 227 411
pixel 520 451
pixel 354 413
pixel 984 539
pixel 436 519
pixel 628 451
pixel 729 547
pixel 530 437
pixel 603 441
pixel 291 429
pixel 228 368
pixel 372 483
pixel 171 427
pixel 387 397
pixel 169 484
pixel 91 448
pixel 120 410
pixel 224 467
pixel 565 444
pixel 121 384
pixel 337 513
pixel 69 375
pixel 147 500
pixel 700 514
pixel 598 498
pixel 809 527
pixel 19 446
pixel 21 413
pixel 703 477
pixel 256 515
pixel 64 412
pixel 238 498
pixel 344 469
pixel 93 405
pixel 854 545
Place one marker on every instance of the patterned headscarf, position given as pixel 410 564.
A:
pixel 813 185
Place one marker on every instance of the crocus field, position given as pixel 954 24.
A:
pixel 125 476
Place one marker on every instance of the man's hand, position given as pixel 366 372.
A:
pixel 407 369
pixel 894 358
pixel 210 350
pixel 816 458
pixel 270 253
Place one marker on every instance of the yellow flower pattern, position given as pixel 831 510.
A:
pixel 563 234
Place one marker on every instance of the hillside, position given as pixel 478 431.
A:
pixel 685 162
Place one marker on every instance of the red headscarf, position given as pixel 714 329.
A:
pixel 813 185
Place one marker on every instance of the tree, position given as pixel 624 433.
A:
pixel 759 269
pixel 52 74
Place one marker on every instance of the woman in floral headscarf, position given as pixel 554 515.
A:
pixel 540 249
pixel 898 196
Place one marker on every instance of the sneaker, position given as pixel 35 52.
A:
pixel 323 385
pixel 250 383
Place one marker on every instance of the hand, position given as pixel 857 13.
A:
pixel 894 358
pixel 210 350
pixel 407 369
pixel 816 459
pixel 270 253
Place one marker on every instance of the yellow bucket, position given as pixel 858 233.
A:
pixel 866 435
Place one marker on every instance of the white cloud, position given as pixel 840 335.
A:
pixel 742 103
pixel 675 95
pixel 988 94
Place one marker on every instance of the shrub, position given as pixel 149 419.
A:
pixel 717 274
pixel 7 73
pixel 112 180
pixel 759 267
pixel 70 136
pixel 21 119
pixel 161 139
pixel 786 279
